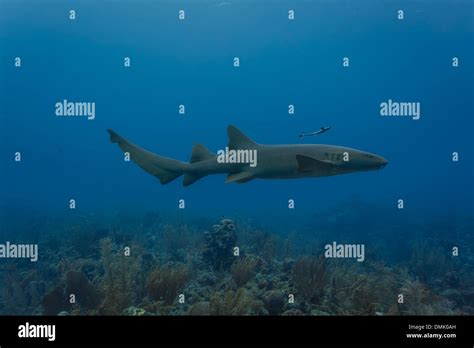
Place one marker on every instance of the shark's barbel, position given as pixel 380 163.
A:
pixel 274 161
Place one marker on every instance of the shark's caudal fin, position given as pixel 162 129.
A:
pixel 238 140
pixel 200 153
pixel 165 169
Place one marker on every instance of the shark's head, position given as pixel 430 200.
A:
pixel 363 161
pixel 325 160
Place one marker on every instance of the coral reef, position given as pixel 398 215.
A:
pixel 274 301
pixel 139 265
pixel 240 302
pixel 176 239
pixel 243 269
pixel 264 244
pixel 418 300
pixel 219 245
pixel 84 292
pixel 429 261
pixel 55 301
pixel 200 308
pixel 165 282
pixel 309 275
pixel 120 281
pixel 134 311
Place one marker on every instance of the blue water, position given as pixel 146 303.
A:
pixel 190 62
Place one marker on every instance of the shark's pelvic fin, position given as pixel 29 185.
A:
pixel 239 177
pixel 165 169
pixel 238 140
pixel 308 164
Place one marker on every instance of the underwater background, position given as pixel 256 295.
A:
pixel 188 251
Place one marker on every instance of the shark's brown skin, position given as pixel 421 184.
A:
pixel 273 161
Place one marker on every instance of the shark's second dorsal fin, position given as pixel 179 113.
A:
pixel 238 140
pixel 200 153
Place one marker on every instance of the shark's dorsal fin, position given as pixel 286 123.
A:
pixel 307 164
pixel 239 177
pixel 200 153
pixel 238 140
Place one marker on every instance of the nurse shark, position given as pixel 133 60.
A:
pixel 292 161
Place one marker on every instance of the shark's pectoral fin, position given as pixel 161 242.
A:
pixel 309 164
pixel 240 177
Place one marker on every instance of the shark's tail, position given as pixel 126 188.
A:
pixel 165 169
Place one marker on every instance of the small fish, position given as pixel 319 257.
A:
pixel 223 3
pixel 320 131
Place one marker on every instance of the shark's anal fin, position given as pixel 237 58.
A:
pixel 309 164
pixel 239 177
pixel 191 178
